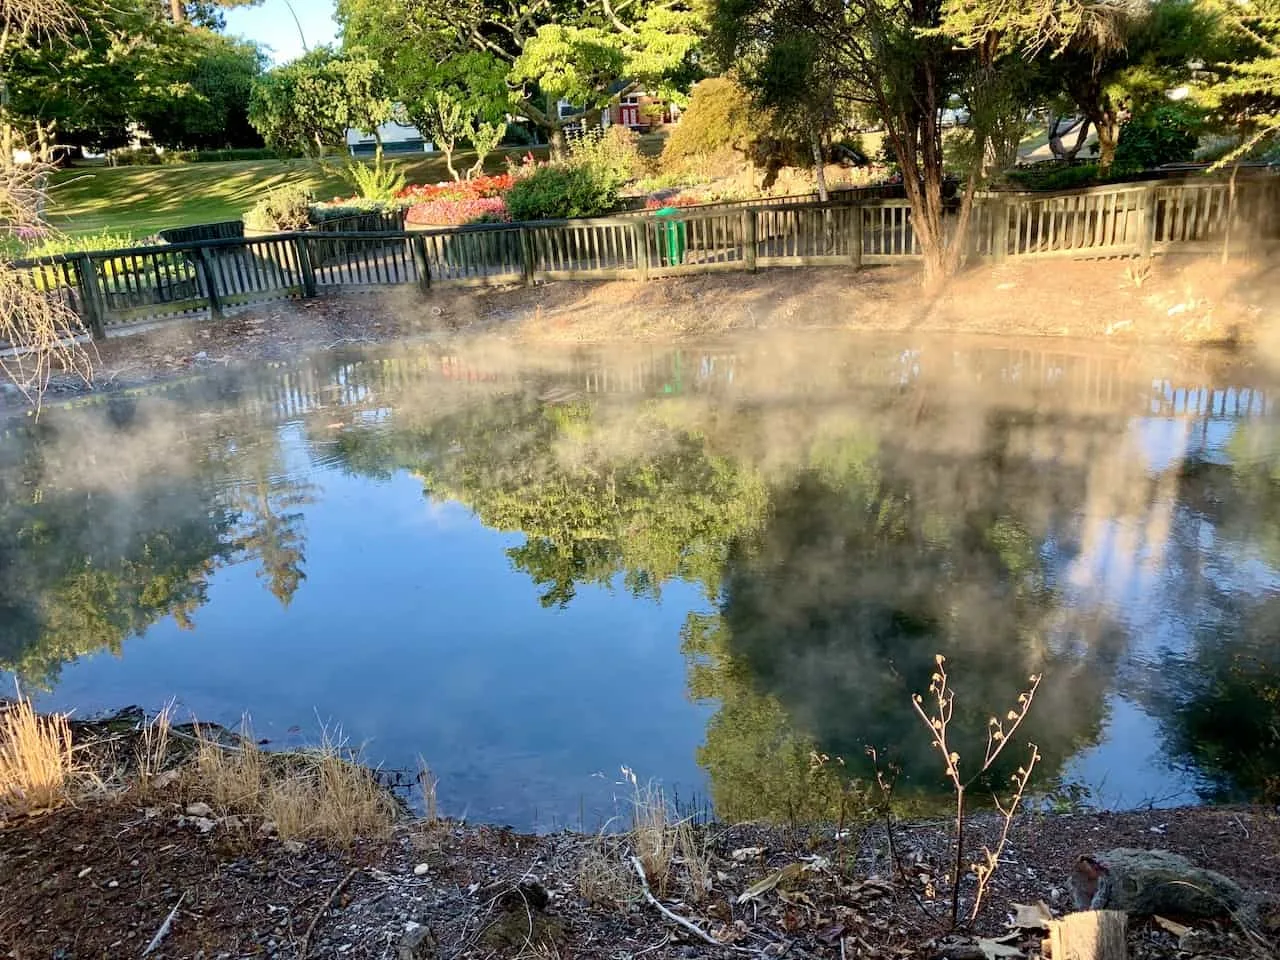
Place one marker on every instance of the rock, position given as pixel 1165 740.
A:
pixel 421 870
pixel 267 828
pixel 293 847
pixel 1144 882
pixel 199 810
pixel 419 943
pixel 204 824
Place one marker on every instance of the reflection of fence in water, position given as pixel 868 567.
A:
pixel 1063 385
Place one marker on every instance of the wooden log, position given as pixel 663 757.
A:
pixel 1093 935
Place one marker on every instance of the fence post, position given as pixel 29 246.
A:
pixel 855 238
pixel 91 297
pixel 527 260
pixel 419 245
pixel 210 291
pixel 305 266
pixel 1147 238
pixel 1000 228
pixel 641 237
pixel 749 230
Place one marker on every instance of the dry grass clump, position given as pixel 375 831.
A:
pixel 604 879
pixel 38 766
pixel 151 753
pixel 654 834
pixel 322 794
pixel 661 843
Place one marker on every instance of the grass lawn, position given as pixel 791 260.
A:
pixel 142 200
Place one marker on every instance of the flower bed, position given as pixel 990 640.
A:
pixel 479 188
pixel 452 213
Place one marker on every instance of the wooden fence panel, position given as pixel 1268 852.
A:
pixel 697 243
pixel 364 261
pixel 887 234
pixel 601 249
pixel 148 284
pixel 474 257
pixel 1103 222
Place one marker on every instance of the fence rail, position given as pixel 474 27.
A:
pixel 207 277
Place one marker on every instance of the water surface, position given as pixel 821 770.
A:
pixel 709 564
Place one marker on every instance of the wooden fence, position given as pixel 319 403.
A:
pixel 209 277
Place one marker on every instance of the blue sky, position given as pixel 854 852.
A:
pixel 273 26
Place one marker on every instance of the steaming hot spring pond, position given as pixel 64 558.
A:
pixel 710 565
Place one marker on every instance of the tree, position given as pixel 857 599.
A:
pixel 209 102
pixel 524 56
pixel 86 84
pixel 446 124
pixel 1246 93
pixel 877 57
pixel 311 102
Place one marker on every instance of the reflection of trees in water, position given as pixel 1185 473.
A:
pixel 657 506
pixel 109 525
pixel 269 524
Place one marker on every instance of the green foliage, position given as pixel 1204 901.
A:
pixel 284 209
pixel 240 153
pixel 1054 176
pixel 378 181
pixel 521 57
pixel 615 150
pixel 83 243
pixel 561 191
pixel 310 103
pixel 485 138
pixel 1166 134
pixel 209 102
pixel 1246 93
pixel 719 117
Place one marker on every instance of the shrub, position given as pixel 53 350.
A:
pixel 1053 176
pixel 561 191
pixel 136 157
pixel 284 208
pixel 52 246
pixel 378 181
pixel 459 212
pixel 719 116
pixel 243 153
pixel 615 150
pixel 1166 134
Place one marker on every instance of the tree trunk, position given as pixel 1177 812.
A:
pixel 1108 136
pixel 819 166
pixel 555 137
pixel 1056 131
pixel 447 149
pixel 177 11
pixel 377 147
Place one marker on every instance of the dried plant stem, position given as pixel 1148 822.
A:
pixel 324 908
pixel 939 723
pixel 670 915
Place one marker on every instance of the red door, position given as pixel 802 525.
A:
pixel 630 114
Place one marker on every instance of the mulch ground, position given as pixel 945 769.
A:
pixel 99 881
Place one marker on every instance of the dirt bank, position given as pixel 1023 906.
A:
pixel 100 880
pixel 1174 302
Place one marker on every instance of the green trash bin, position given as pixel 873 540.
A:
pixel 671 236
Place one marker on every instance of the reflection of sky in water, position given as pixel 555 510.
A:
pixel 413 630
pixel 514 707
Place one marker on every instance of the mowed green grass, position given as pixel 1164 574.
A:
pixel 143 200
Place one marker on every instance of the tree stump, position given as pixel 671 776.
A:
pixel 1092 935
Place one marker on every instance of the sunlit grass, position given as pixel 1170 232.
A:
pixel 38 768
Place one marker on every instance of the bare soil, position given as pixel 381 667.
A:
pixel 1171 302
pixel 99 881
